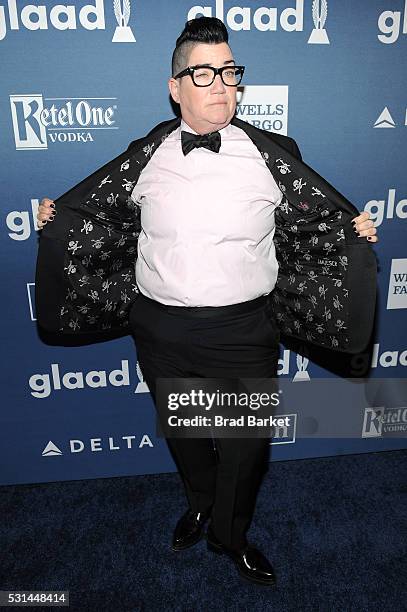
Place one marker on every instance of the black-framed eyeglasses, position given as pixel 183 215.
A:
pixel 203 76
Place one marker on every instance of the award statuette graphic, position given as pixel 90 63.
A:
pixel 319 15
pixel 142 386
pixel 301 374
pixel 123 32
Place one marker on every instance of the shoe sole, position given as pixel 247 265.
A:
pixel 219 551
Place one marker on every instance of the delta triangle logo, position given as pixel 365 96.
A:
pixel 384 120
pixel 51 450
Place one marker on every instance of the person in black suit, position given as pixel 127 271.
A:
pixel 218 204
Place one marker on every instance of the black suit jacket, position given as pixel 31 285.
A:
pixel 326 287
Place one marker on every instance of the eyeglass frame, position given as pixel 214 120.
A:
pixel 216 71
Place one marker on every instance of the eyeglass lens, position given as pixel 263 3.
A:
pixel 205 76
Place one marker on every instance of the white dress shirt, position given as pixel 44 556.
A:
pixel 207 223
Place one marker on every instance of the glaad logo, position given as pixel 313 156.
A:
pixel 264 106
pixel 397 295
pixel 63 120
pixel 42 385
pixel 19 224
pixel 378 208
pixel 96 444
pixel 61 17
pixel 361 363
pixel 65 17
pixel 389 25
pixel 302 362
pixel 267 19
pixel 381 421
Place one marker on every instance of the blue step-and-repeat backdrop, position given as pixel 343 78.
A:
pixel 79 81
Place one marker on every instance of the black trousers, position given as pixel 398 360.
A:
pixel 222 478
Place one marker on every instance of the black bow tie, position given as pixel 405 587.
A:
pixel 194 141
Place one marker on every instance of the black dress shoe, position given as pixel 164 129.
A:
pixel 189 529
pixel 249 561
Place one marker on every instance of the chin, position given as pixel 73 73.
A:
pixel 219 115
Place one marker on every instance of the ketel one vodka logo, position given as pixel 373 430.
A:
pixel 38 121
pixel 381 422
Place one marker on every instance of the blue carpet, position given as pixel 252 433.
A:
pixel 334 528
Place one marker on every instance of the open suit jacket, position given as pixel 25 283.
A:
pixel 326 287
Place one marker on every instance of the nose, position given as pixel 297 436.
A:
pixel 218 85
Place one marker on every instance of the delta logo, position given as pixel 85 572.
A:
pixel 386 120
pixel 94 445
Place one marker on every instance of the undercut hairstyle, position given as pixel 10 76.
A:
pixel 206 30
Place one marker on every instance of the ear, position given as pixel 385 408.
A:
pixel 173 86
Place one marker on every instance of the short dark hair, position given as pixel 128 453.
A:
pixel 207 30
